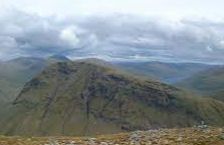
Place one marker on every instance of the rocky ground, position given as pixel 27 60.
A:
pixel 187 136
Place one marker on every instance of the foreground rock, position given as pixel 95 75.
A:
pixel 187 136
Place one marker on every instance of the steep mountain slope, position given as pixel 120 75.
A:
pixel 208 82
pixel 83 98
pixel 165 72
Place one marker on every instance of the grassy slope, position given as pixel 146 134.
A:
pixel 206 83
pixel 79 98
pixel 218 95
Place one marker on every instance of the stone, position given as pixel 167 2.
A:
pixel 103 143
pixel 179 139
pixel 166 142
pixel 221 136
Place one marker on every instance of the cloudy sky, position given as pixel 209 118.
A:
pixel 135 30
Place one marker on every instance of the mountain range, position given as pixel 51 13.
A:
pixel 57 96
pixel 168 72
pixel 89 97
pixel 15 73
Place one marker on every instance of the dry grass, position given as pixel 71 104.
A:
pixel 187 136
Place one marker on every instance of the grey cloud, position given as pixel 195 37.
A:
pixel 116 36
pixel 186 40
pixel 31 35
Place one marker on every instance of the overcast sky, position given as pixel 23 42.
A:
pixel 166 30
pixel 168 8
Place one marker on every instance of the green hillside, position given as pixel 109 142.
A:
pixel 207 83
pixel 84 98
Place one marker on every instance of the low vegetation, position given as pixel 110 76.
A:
pixel 186 136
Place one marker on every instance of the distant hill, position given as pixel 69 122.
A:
pixel 207 82
pixel 57 58
pixel 218 95
pixel 84 98
pixel 16 72
pixel 165 72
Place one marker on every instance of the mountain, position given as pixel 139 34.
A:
pixel 207 82
pixel 85 98
pixel 164 71
pixel 15 73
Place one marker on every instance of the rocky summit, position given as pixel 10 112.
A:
pixel 185 136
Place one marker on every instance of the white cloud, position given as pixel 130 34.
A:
pixel 7 42
pixel 68 35
pixel 221 44
pixel 208 48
